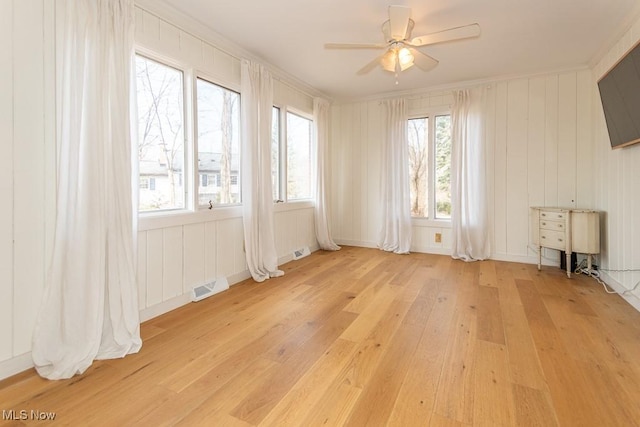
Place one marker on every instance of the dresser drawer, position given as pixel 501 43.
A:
pixel 553 239
pixel 553 216
pixel 546 224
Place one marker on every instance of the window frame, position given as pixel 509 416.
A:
pixel 312 154
pixel 198 74
pixel 284 200
pixel 187 132
pixel 431 114
pixel 192 213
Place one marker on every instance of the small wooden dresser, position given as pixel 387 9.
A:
pixel 569 230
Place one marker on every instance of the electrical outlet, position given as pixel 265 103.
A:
pixel 438 237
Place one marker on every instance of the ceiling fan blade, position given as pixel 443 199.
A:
pixel 422 60
pixel 354 46
pixel 399 21
pixel 370 66
pixel 457 33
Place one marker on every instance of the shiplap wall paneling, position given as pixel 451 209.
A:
pixel 373 153
pixel 341 189
pixel 194 256
pixel 615 184
pixel 230 247
pixel 171 42
pixel 490 148
pixel 6 180
pixel 141 263
pixel 551 142
pixel 154 261
pixel 172 262
pixel 517 199
pixel 584 141
pixel 29 168
pixel 499 115
pixel 535 148
pixel 567 144
pixel 210 252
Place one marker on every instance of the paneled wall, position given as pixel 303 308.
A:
pixel 540 153
pixel 616 192
pixel 178 253
pixel 27 176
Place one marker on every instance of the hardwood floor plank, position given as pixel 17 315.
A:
pixel 533 407
pixel 493 400
pixel 490 325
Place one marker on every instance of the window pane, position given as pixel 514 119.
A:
pixel 418 166
pixel 298 157
pixel 218 144
pixel 160 135
pixel 275 153
pixel 443 166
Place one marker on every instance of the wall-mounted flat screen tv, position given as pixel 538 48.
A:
pixel 620 95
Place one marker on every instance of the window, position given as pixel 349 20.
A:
pixel 218 143
pixel 298 157
pixel 430 166
pixel 161 150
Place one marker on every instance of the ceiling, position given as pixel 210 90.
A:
pixel 518 37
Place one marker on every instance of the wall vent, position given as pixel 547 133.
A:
pixel 301 253
pixel 203 291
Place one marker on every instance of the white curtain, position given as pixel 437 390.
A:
pixel 321 120
pixel 90 309
pixel 396 201
pixel 469 216
pixel 257 198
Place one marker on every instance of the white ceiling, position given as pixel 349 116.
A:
pixel 518 37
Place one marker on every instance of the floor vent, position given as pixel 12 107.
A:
pixel 203 291
pixel 301 253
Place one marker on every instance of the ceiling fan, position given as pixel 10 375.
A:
pixel 401 52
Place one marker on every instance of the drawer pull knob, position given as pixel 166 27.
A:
pixel 544 223
pixel 544 237
pixel 559 240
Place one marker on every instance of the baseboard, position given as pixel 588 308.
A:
pixel 15 365
pixel 358 243
pixel 632 299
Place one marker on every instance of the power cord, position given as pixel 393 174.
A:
pixel 595 274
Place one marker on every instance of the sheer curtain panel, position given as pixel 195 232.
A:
pixel 396 201
pixel 257 196
pixel 90 308
pixel 321 120
pixel 469 215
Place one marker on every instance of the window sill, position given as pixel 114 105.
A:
pixel 156 220
pixel 431 223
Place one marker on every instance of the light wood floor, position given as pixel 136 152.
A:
pixel 364 338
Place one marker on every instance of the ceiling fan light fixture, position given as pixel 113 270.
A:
pixel 388 61
pixel 405 58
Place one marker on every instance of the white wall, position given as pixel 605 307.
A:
pixel 26 177
pixel 540 144
pixel 617 176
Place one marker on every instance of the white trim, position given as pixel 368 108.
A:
pixel 632 299
pixel 15 365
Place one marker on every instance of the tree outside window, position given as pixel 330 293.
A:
pixel 429 150
pixel 160 135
